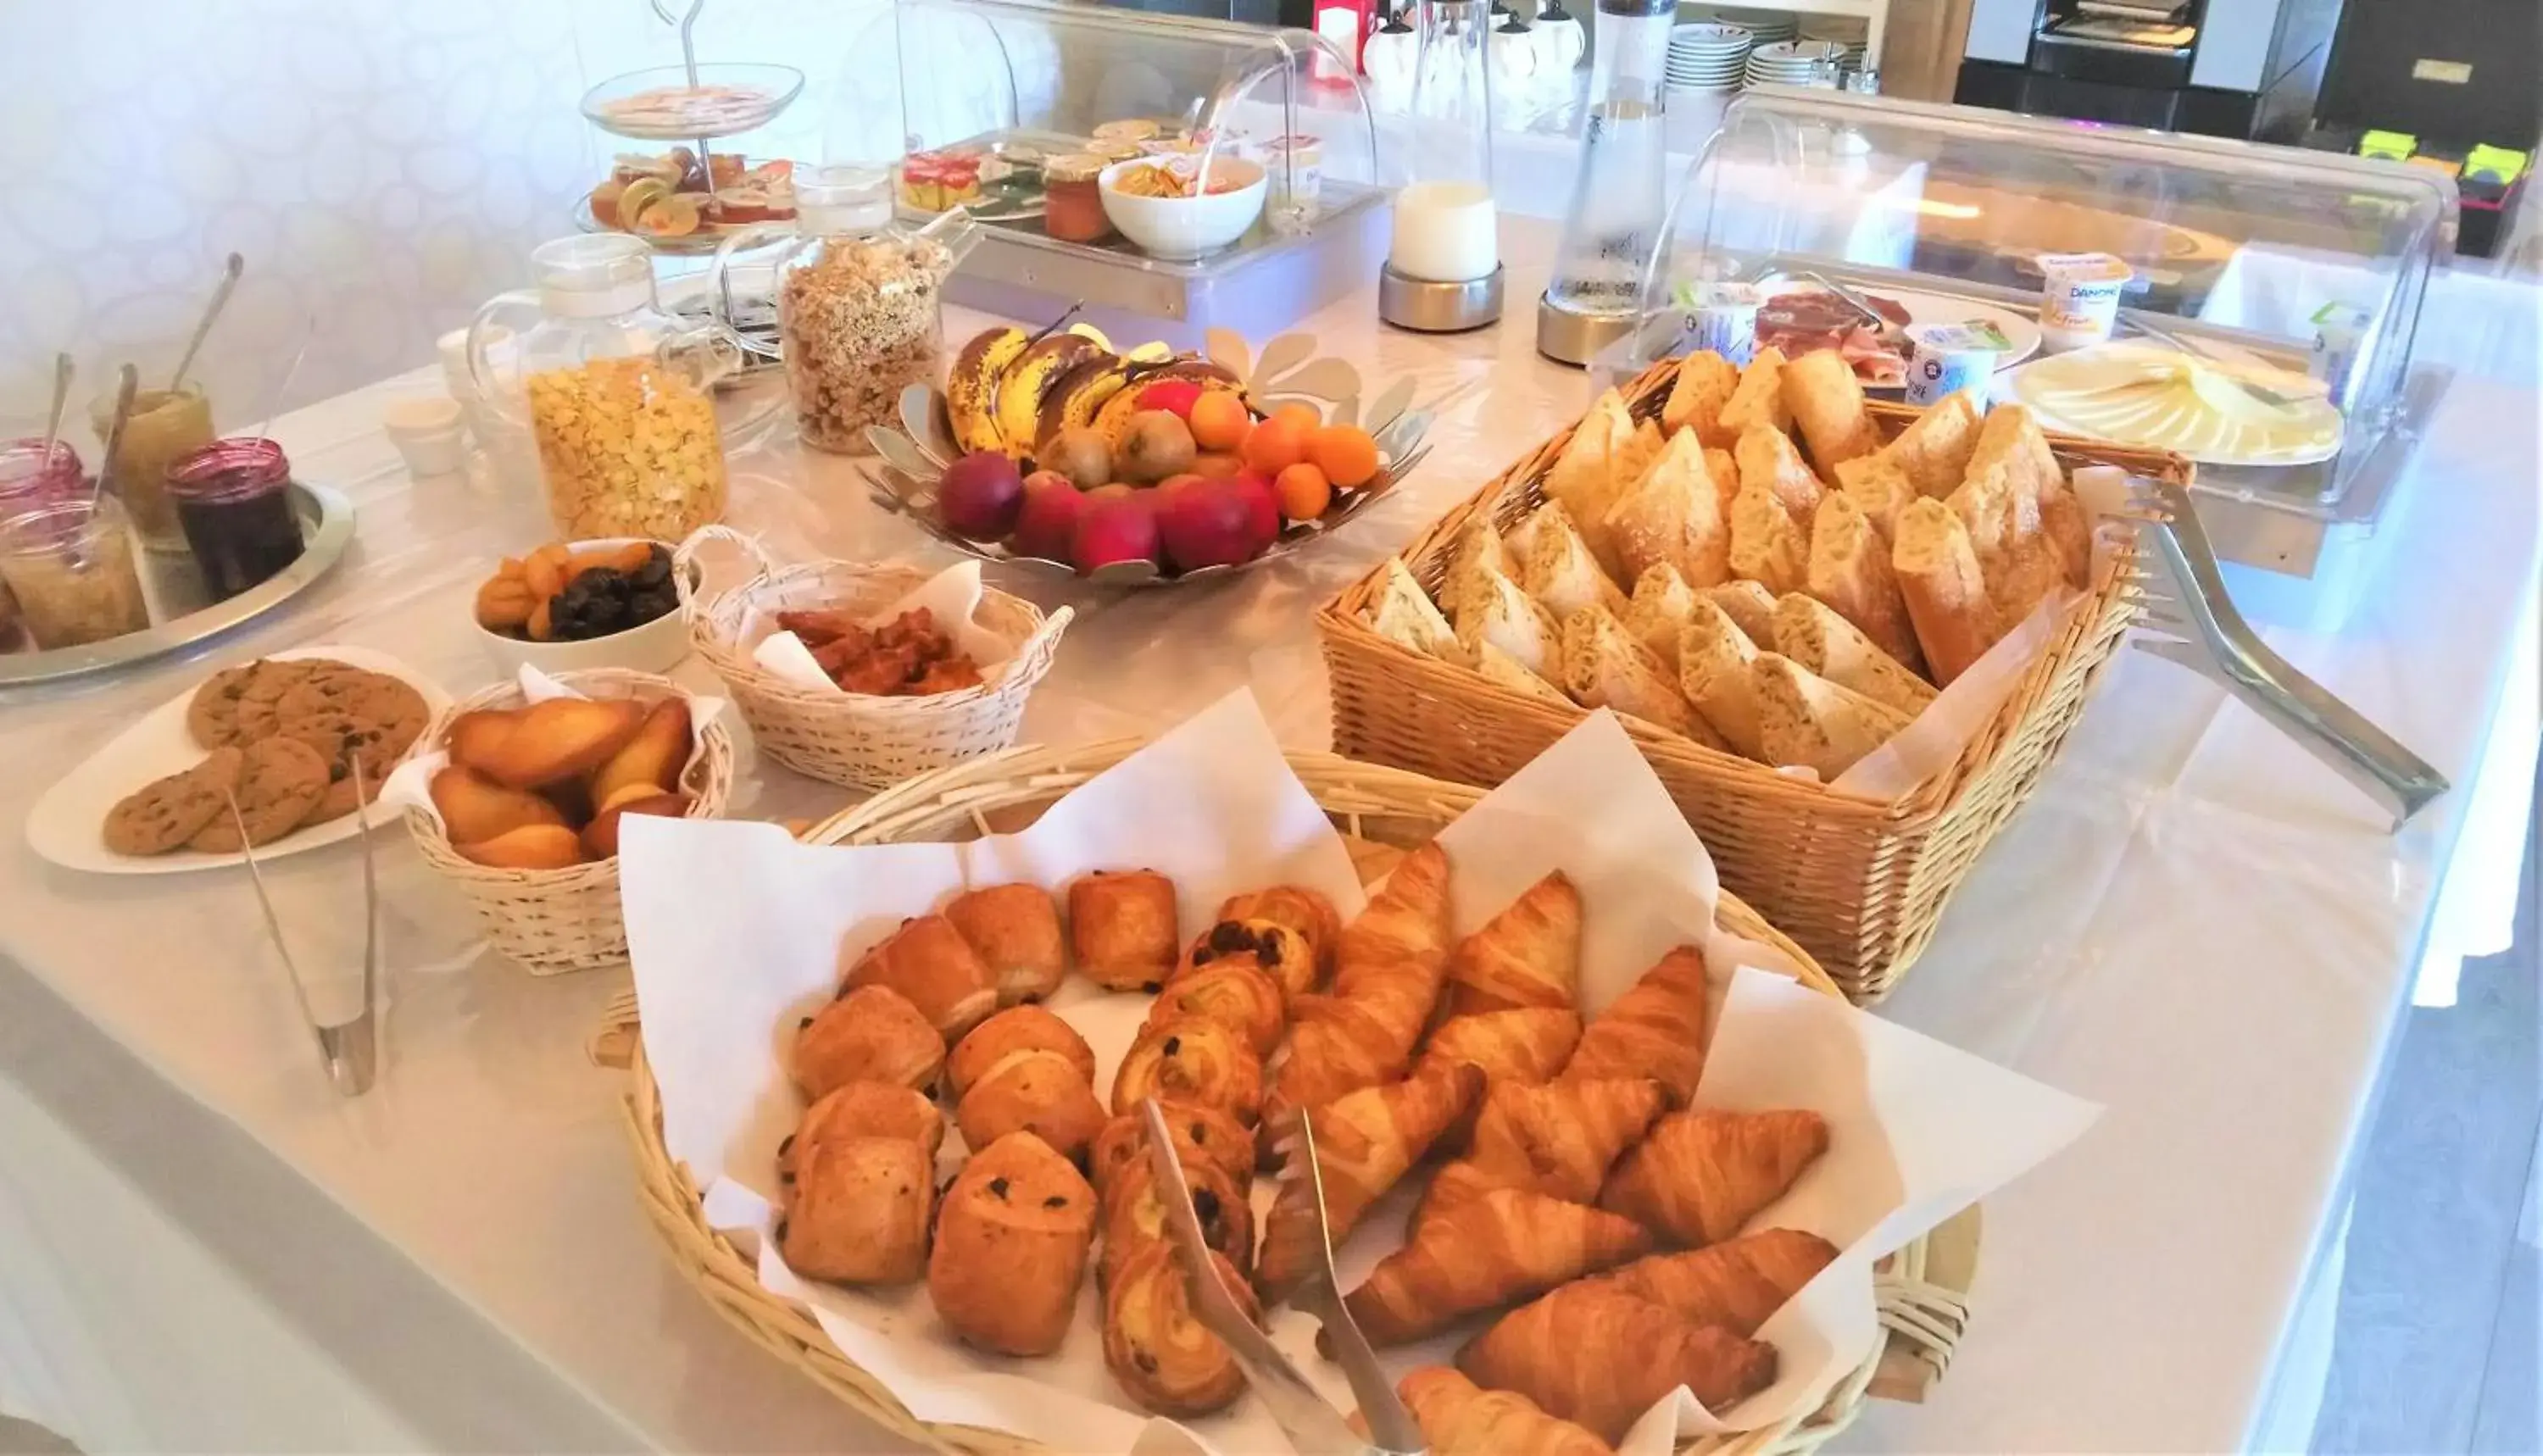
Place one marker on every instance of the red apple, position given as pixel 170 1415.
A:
pixel 1046 525
pixel 1113 529
pixel 1174 396
pixel 1209 525
pixel 1262 507
pixel 980 495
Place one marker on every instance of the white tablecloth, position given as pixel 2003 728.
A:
pixel 201 1246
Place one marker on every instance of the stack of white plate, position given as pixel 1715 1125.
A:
pixel 1792 63
pixel 1767 27
pixel 1707 56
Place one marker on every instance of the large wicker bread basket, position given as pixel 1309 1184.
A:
pixel 553 921
pixel 1859 884
pixel 1921 1289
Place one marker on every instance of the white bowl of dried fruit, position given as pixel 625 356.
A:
pixel 572 605
pixel 1163 204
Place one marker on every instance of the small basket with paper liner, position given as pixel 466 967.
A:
pixel 1849 636
pixel 702 1166
pixel 857 741
pixel 564 918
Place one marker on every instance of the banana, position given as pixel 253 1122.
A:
pixel 1090 332
pixel 1154 352
pixel 1076 395
pixel 971 386
pixel 1113 420
pixel 1028 380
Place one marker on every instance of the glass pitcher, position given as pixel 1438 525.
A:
pixel 859 301
pixel 616 393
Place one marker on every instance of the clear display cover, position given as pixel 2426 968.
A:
pixel 2266 300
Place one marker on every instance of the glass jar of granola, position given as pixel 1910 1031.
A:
pixel 617 394
pixel 860 302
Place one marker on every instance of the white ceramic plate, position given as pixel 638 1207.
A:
pixel 2020 330
pixel 66 825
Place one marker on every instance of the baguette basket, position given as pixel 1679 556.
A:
pixel 1921 1289
pixel 553 921
pixel 855 740
pixel 1859 884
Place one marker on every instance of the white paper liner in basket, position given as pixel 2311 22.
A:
pixel 802 717
pixel 736 930
pixel 553 921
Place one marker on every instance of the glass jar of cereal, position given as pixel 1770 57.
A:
pixel 617 394
pixel 860 302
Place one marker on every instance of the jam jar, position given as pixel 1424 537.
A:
pixel 71 566
pixel 166 426
pixel 233 500
pixel 1073 202
pixel 34 475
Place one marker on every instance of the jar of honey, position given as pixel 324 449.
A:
pixel 1073 202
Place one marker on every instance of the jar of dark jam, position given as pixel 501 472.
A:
pixel 234 504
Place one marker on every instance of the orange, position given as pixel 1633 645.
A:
pixel 1305 415
pixel 1275 445
pixel 1220 421
pixel 1303 490
pixel 1344 453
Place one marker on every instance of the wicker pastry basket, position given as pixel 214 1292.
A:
pixel 1922 1289
pixel 1860 884
pixel 859 741
pixel 554 921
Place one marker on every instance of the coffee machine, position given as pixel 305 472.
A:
pixel 2240 68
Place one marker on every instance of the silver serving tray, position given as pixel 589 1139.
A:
pixel 326 529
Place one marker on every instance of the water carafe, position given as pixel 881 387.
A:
pixel 1617 199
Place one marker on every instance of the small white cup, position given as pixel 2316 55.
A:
pixel 429 433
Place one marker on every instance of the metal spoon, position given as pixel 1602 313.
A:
pixel 61 399
pixel 127 383
pixel 221 291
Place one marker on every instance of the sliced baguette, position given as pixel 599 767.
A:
pixel 1768 461
pixel 2068 525
pixel 1704 384
pixel 1500 667
pixel 1878 488
pixel 1758 400
pixel 1661 603
pixel 1946 591
pixel 1826 643
pixel 1496 614
pixel 1749 605
pixel 1563 572
pixel 1808 722
pixel 1765 545
pixel 1603 667
pixel 1849 570
pixel 1478 546
pixel 1583 474
pixel 1673 517
pixel 1713 661
pixel 1828 408
pixel 1933 452
pixel 1405 616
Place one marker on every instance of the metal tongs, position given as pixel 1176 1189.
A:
pixel 2191 620
pixel 1312 1426
pixel 349 1049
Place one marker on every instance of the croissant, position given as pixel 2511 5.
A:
pixel 1528 955
pixel 1504 1245
pixel 1601 1357
pixel 1655 1029
pixel 1459 1418
pixel 1737 1283
pixel 1527 1043
pixel 1701 1174
pixel 1365 1141
pixel 1403 932
pixel 1189 1059
pixel 1340 1045
pixel 1304 910
pixel 1556 1139
pixel 1280 952
pixel 862 1109
pixel 1134 1214
pixel 1201 1134
pixel 1234 992
pixel 1158 1350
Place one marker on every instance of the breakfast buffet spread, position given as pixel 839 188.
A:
pixel 1510 1061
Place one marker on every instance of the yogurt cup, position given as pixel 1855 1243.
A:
pixel 1943 359
pixel 2079 301
pixel 1724 319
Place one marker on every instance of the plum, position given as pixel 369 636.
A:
pixel 979 496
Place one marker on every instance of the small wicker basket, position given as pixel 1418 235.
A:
pixel 1860 884
pixel 554 921
pixel 1921 1289
pixel 853 740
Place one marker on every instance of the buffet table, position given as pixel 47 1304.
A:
pixel 200 1246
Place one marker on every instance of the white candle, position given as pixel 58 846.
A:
pixel 1444 232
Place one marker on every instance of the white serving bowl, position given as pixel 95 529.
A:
pixel 1184 227
pixel 654 647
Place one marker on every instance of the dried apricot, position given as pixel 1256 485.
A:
pixel 504 605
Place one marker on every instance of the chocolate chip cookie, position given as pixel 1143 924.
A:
pixel 368 715
pixel 162 815
pixel 281 780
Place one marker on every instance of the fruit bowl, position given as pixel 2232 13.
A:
pixel 1203 521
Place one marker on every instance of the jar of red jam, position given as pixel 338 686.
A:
pixel 1073 200
pixel 32 476
pixel 234 501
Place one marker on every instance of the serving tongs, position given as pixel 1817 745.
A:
pixel 349 1049
pixel 2188 617
pixel 1314 1428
